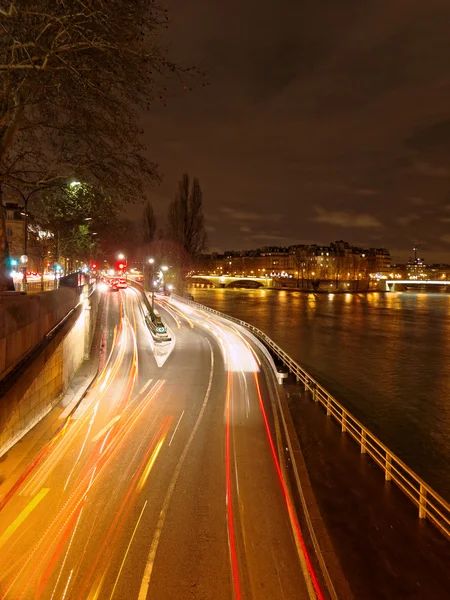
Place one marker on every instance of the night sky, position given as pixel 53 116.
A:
pixel 324 120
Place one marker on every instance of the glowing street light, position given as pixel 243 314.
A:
pixel 121 256
pixel 75 184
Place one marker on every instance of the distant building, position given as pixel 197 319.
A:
pixel 379 261
pixel 337 262
pixel 15 229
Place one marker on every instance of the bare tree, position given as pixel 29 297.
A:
pixel 300 260
pixel 74 77
pixel 149 225
pixel 186 222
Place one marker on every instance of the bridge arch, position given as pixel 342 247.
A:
pixel 222 281
pixel 245 283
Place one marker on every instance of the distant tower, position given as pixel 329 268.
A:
pixel 415 248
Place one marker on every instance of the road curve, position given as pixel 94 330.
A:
pixel 166 482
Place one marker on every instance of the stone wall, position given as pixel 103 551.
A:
pixel 42 382
pixel 26 319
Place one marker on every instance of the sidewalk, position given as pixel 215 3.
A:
pixel 385 550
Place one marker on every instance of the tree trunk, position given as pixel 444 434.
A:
pixel 6 281
pixel 41 265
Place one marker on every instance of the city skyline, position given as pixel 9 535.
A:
pixel 318 123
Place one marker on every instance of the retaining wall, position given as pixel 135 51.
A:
pixel 41 382
pixel 26 319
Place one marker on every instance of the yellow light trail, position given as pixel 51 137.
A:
pixel 101 433
pixel 78 495
pixel 153 458
pixel 23 515
pixel 182 315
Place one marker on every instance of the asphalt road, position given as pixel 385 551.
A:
pixel 166 481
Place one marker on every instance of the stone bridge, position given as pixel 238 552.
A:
pixel 392 283
pixel 223 281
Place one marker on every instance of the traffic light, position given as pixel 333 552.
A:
pixel 120 266
pixel 94 266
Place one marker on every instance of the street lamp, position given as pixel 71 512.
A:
pixel 151 261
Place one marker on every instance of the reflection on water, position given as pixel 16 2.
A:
pixel 385 356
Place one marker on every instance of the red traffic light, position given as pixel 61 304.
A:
pixel 94 266
pixel 121 266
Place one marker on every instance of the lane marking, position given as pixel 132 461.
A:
pixel 145 583
pixel 23 515
pixel 128 549
pixel 175 430
pixel 145 387
pixel 101 433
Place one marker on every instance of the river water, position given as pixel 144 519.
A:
pixel 386 357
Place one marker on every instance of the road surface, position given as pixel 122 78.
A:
pixel 165 482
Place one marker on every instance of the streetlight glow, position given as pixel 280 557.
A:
pixel 164 268
pixel 151 261
pixel 121 256
pixel 75 183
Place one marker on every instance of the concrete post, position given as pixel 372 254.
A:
pixel 422 503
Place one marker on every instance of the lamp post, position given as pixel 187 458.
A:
pixel 151 261
pixel 164 269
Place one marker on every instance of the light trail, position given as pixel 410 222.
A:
pixel 145 387
pixel 146 578
pixel 229 497
pixel 102 432
pixel 291 510
pixel 182 314
pixel 23 515
pixel 111 538
pixel 67 585
pixel 56 454
pixel 78 495
pixel 127 550
pixel 153 456
pixel 66 555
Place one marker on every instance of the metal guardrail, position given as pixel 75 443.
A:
pixel 430 504
pixel 35 287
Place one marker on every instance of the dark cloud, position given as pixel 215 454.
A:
pixel 407 220
pixel 339 105
pixel 346 219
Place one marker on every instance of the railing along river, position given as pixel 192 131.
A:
pixel 430 504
